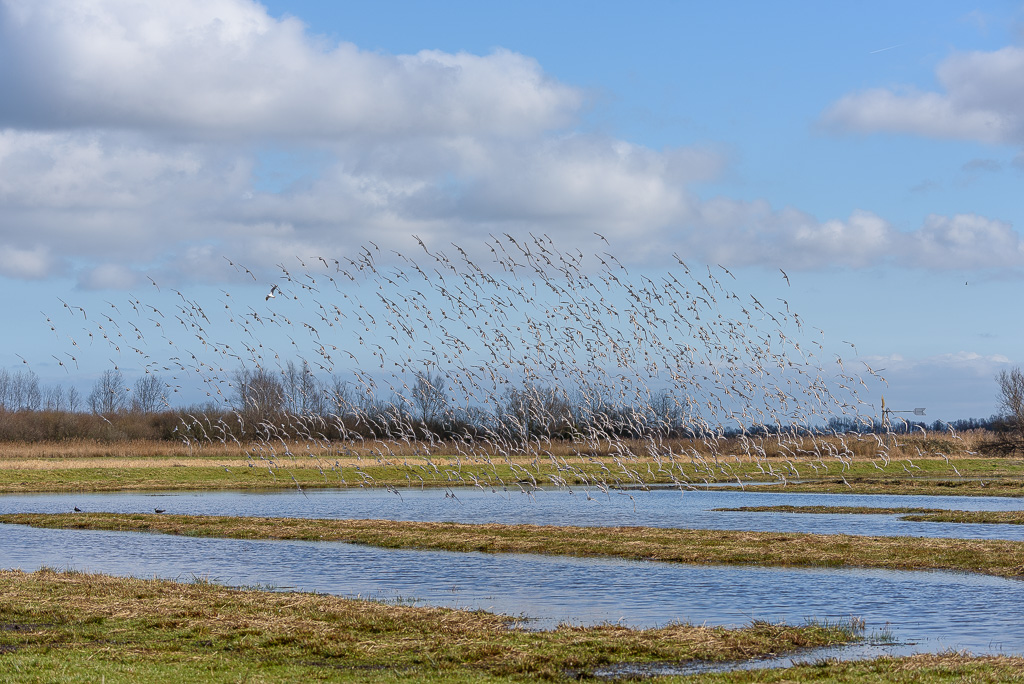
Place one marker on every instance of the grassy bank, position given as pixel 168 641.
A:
pixel 904 513
pixel 982 482
pixel 74 627
pixel 919 669
pixel 993 557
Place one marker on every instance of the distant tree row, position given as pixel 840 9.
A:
pixel 22 391
pixel 294 403
pixel 994 423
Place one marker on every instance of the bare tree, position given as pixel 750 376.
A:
pixel 5 389
pixel 22 391
pixel 666 414
pixel 1011 406
pixel 259 395
pixel 53 398
pixel 146 395
pixel 1011 397
pixel 535 410
pixel 340 398
pixel 74 399
pixel 109 394
pixel 429 397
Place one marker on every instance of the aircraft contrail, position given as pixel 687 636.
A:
pixel 891 47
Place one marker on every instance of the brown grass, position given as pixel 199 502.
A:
pixel 863 446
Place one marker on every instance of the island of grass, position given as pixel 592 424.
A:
pixel 904 513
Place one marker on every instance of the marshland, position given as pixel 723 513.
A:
pixel 594 474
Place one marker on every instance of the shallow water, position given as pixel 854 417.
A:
pixel 926 611
pixel 657 508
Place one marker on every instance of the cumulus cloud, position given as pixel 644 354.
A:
pixel 101 196
pixel 728 230
pixel 225 68
pixel 755 233
pixel 28 263
pixel 982 100
pixel 133 134
pixel 965 241
pixel 109 276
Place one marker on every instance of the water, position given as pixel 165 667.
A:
pixel 925 611
pixel 656 508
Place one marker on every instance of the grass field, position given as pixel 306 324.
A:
pixel 953 467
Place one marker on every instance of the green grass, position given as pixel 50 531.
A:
pixel 162 474
pixel 989 484
pixel 945 668
pixel 76 627
pixel 994 557
pixel 159 466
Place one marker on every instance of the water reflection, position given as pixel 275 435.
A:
pixel 657 508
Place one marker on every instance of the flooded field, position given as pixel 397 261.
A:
pixel 923 611
pixel 655 508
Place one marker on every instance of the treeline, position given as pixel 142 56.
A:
pixel 294 404
pixel 994 423
pixel 31 411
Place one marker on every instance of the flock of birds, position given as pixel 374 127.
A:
pixel 471 360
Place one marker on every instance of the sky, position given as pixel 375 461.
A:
pixel 874 152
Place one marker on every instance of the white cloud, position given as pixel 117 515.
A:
pixel 26 263
pixel 109 276
pixel 91 196
pixel 104 198
pixel 983 100
pixel 965 241
pixel 736 232
pixel 131 137
pixel 983 364
pixel 225 68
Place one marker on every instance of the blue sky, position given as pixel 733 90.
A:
pixel 874 151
